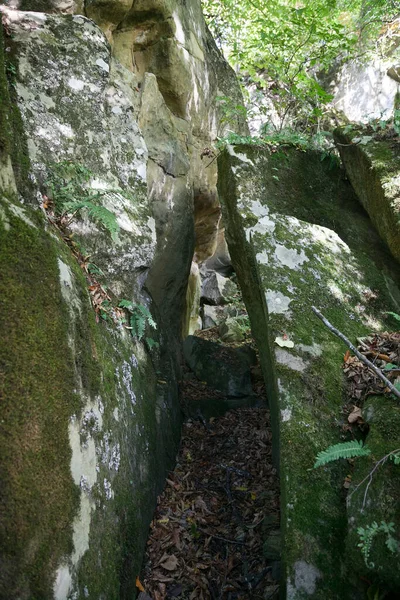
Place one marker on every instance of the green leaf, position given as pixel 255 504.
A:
pixel 343 450
pixel 392 544
pixel 126 304
pixel 147 315
pixel 390 367
pixel 394 315
pixel 151 343
pixel 395 458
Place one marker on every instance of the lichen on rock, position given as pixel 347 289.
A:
pixel 92 413
pixel 287 260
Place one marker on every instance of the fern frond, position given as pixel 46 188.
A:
pixel 394 315
pixel 97 212
pixel 343 450
pixel 147 315
pixel 126 304
pixel 138 325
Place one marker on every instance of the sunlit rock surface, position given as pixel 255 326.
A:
pixel 280 212
pixel 365 90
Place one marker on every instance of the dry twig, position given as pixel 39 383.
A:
pixel 360 356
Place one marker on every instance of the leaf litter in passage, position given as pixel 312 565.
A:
pixel 220 502
pixel 384 351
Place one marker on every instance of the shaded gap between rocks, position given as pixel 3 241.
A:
pixel 216 529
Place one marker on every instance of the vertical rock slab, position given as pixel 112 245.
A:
pixel 377 500
pixel 92 413
pixel 171 41
pixel 373 169
pixel 286 264
pixel 88 432
pixel 365 90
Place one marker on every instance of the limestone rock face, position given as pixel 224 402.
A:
pixel 82 112
pixel 171 41
pixel 374 172
pixel 48 6
pixel 90 431
pixel 365 91
pixel 287 259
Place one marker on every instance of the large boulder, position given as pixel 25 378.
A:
pixel 91 418
pixel 373 167
pixel 280 210
pixel 365 89
pixel 213 315
pixel 217 289
pixel 82 422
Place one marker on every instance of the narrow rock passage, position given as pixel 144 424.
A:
pixel 215 532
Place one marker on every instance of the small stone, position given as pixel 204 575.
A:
pixel 232 330
pixel 217 289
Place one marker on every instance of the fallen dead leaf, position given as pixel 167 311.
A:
pixel 139 585
pixel 355 415
pixel 170 564
pixel 347 482
pixel 284 343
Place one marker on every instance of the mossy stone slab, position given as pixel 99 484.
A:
pixel 373 169
pixel 224 369
pixel 285 264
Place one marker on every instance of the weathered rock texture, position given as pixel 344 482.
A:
pixel 280 210
pixel 91 417
pixel 366 87
pixel 374 171
pixel 365 90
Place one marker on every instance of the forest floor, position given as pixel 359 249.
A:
pixel 220 504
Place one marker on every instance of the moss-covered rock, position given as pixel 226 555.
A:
pixel 88 432
pixel 287 260
pixel 373 169
pixel 92 415
pixel 224 369
pixel 374 496
pixel 39 498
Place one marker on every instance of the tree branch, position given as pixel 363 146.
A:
pixel 360 356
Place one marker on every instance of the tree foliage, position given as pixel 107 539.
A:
pixel 283 46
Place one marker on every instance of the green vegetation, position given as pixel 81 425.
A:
pixel 367 535
pixel 369 532
pixel 289 138
pixel 68 185
pixel 139 318
pixel 343 450
pixel 284 48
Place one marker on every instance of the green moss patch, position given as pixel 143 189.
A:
pixel 374 172
pixel 287 261
pixel 37 396
pixel 380 502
